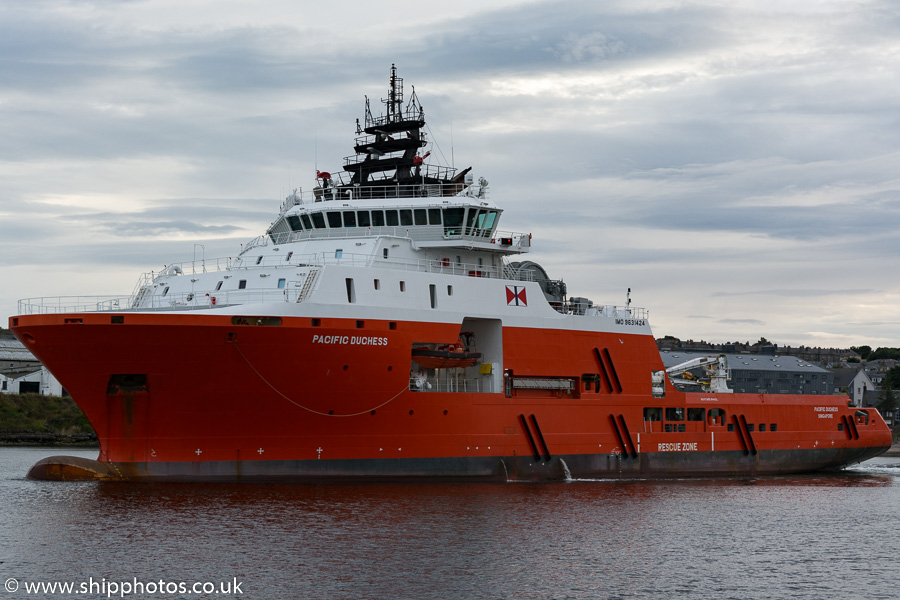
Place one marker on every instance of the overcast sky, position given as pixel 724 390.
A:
pixel 736 164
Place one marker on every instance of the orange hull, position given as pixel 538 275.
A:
pixel 194 396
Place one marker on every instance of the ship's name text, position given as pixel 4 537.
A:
pixel 826 412
pixel 677 447
pixel 352 340
pixel 637 322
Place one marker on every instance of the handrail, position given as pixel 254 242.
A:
pixel 417 233
pixel 222 298
pixel 345 189
pixel 143 297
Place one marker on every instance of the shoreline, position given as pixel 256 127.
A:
pixel 47 439
pixel 893 451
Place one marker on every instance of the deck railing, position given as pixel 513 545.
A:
pixel 144 298
pixel 345 190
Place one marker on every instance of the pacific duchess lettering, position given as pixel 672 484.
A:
pixel 352 340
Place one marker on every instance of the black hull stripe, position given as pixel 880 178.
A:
pixel 509 468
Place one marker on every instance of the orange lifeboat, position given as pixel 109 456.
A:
pixel 450 356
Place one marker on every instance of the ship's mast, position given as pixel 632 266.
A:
pixel 387 146
pixel 395 95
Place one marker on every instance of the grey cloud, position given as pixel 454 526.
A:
pixel 187 216
pixel 165 227
pixel 589 46
pixel 741 321
pixel 725 120
pixel 798 293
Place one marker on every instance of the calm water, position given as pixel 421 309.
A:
pixel 818 536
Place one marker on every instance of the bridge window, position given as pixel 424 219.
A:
pixel 295 223
pixel 470 221
pixel 349 219
pixel 307 223
pixel 421 216
pixel 378 218
pixel 334 219
pixel 405 217
pixel 479 220
pixel 362 218
pixel 390 217
pixel 482 226
pixel 434 216
pixel 453 218
pixel 318 220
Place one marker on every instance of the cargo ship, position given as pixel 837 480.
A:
pixel 385 328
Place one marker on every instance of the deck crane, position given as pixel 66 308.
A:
pixel 715 366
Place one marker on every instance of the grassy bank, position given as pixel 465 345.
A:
pixel 32 419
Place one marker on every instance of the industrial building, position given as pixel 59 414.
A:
pixel 761 373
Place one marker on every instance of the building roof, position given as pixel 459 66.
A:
pixel 843 377
pixel 15 359
pixel 13 349
pixel 754 362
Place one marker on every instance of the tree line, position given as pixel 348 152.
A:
pixel 866 352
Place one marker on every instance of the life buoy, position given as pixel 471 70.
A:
pixel 212 300
pixel 445 262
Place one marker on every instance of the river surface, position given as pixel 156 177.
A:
pixel 815 536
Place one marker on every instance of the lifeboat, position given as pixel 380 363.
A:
pixel 451 356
